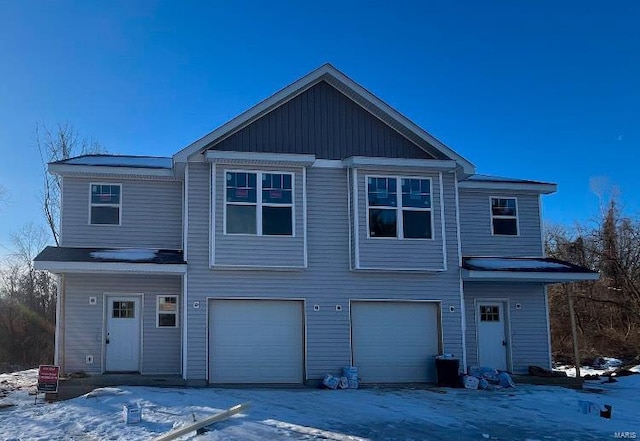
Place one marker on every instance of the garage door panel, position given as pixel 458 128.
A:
pixel 255 341
pixel 395 341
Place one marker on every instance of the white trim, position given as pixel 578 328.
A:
pixel 546 310
pixel 212 213
pixel 258 158
pixel 56 341
pixel 105 311
pixel 109 267
pixel 399 208
pixel 96 170
pixel 350 217
pixel 60 223
pixel 522 276
pixel 185 306
pixel 119 205
pixel 356 218
pixel 399 270
pixel 510 186
pixel 158 312
pixel 325 71
pixel 541 223
pixel 492 216
pixel 506 310
pixel 328 163
pixel 185 213
pixel 259 204
pixel 304 214
pixel 463 309
pixel 366 161
pixel 443 229
pixel 258 267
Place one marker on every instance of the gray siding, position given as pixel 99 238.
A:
pixel 406 254
pixel 529 331
pixel 475 225
pixel 161 347
pixel 151 215
pixel 261 251
pixel 326 282
pixel 324 122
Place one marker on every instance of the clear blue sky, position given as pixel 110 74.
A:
pixel 542 90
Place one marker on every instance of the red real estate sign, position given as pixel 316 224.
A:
pixel 48 378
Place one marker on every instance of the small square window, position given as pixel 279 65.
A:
pixel 489 313
pixel 123 309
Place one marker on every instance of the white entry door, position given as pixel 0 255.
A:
pixel 122 336
pixel 492 339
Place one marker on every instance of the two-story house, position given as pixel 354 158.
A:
pixel 318 229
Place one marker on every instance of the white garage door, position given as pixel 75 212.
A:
pixel 255 341
pixel 394 342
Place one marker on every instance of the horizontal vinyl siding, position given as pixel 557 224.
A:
pixel 245 250
pixel 391 253
pixel 151 215
pixel 161 347
pixel 476 230
pixel 323 122
pixel 327 282
pixel 529 332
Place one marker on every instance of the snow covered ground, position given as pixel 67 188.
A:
pixel 527 413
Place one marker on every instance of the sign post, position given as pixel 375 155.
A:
pixel 47 379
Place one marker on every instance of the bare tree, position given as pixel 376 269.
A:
pixel 56 145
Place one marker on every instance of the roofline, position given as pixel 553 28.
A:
pixel 299 86
pixel 523 276
pixel 109 267
pixel 106 155
pixel 71 169
pixel 538 187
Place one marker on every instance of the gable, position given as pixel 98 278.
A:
pixel 323 122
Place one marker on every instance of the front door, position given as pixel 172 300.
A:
pixel 492 340
pixel 122 336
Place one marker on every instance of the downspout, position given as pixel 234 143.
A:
pixel 58 355
pixel 574 332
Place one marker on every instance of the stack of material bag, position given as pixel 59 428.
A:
pixel 487 378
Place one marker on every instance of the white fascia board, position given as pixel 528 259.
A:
pixel 299 86
pixel 282 159
pixel 548 277
pixel 510 186
pixel 366 161
pixel 109 267
pixel 94 170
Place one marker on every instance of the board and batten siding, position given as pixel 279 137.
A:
pixel 84 324
pixel 327 282
pixel 252 250
pixel 476 230
pixel 151 215
pixel 405 254
pixel 323 122
pixel 529 331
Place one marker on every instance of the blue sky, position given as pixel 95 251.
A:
pixel 540 90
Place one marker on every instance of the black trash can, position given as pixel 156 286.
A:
pixel 447 371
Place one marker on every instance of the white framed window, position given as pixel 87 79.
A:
pixel 399 207
pixel 504 216
pixel 167 312
pixel 259 203
pixel 105 204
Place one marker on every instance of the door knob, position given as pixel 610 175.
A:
pixel 504 342
pixel 107 340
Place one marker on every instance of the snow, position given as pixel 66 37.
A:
pixel 497 263
pixel 122 161
pixel 525 413
pixel 635 369
pixel 489 178
pixel 133 255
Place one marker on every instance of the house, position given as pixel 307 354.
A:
pixel 318 229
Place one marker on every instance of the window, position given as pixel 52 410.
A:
pixel 489 313
pixel 504 216
pixel 105 204
pixel 406 215
pixel 259 203
pixel 167 312
pixel 123 309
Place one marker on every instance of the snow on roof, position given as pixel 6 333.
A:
pixel 132 255
pixel 530 264
pixel 120 161
pixel 489 178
